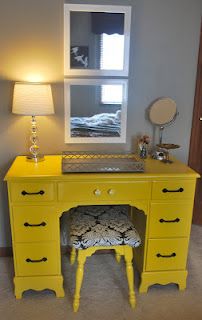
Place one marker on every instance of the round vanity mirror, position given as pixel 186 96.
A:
pixel 162 113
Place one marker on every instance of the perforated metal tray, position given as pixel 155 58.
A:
pixel 92 162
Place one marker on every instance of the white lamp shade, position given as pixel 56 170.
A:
pixel 32 99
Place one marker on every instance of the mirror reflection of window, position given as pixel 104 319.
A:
pixel 111 94
pixel 96 40
pixel 111 51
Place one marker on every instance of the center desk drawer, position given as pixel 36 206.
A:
pixel 32 191
pixel 37 259
pixel 79 191
pixel 34 223
pixel 177 189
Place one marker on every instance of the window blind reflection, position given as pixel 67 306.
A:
pixel 111 51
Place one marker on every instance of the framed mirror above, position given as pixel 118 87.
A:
pixel 95 110
pixel 96 40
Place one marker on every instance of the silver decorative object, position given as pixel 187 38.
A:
pixel 92 162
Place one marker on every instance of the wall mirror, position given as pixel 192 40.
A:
pixel 96 40
pixel 95 110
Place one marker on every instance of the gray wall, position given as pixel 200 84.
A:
pixel 163 61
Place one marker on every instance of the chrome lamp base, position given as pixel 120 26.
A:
pixel 34 155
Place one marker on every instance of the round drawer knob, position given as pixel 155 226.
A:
pixel 111 192
pixel 97 192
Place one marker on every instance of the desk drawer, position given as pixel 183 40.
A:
pixel 36 191
pixel 37 259
pixel 170 219
pixel 35 223
pixel 103 191
pixel 168 190
pixel 166 254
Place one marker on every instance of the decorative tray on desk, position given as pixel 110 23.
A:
pixel 92 162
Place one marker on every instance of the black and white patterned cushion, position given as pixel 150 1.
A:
pixel 102 226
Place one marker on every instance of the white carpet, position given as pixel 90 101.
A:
pixel 105 294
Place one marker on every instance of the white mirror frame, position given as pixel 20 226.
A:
pixel 67 104
pixel 96 8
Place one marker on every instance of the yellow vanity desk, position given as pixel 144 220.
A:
pixel 39 193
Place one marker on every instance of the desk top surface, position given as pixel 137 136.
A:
pixel 51 169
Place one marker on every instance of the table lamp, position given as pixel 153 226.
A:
pixel 33 99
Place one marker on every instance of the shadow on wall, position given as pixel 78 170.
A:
pixel 9 148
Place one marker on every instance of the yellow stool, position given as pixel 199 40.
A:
pixel 95 228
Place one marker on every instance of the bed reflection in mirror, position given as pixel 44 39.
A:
pixel 95 110
pixel 100 114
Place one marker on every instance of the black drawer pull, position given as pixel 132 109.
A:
pixel 42 224
pixel 168 221
pixel 34 261
pixel 24 193
pixel 166 256
pixel 178 190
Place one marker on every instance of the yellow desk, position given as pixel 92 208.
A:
pixel 39 193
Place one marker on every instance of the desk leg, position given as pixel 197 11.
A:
pixel 38 283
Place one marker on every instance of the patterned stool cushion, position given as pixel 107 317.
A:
pixel 102 226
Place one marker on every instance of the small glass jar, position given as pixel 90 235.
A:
pixel 143 152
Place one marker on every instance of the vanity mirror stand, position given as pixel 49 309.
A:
pixel 163 113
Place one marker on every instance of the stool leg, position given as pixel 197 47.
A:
pixel 72 255
pixel 79 278
pixel 118 256
pixel 128 255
